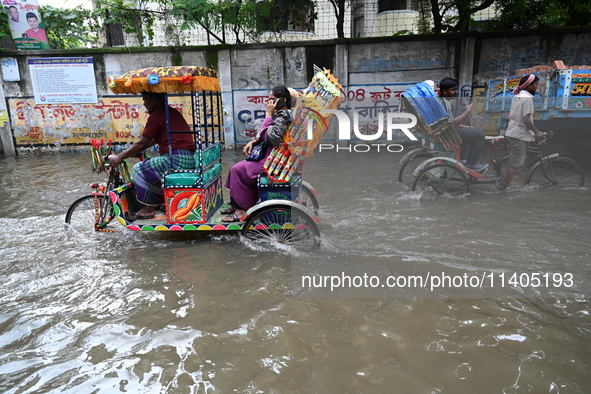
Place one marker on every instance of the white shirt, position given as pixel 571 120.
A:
pixel 521 105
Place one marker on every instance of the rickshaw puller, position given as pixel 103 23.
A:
pixel 148 173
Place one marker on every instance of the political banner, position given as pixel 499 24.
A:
pixel 24 20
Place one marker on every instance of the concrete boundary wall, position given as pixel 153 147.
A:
pixel 373 71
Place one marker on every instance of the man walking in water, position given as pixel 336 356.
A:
pixel 521 129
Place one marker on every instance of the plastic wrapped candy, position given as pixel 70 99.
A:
pixel 111 81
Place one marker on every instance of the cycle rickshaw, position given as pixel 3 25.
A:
pixel 287 208
pixel 436 167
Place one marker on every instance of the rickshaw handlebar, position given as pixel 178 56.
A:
pixel 548 137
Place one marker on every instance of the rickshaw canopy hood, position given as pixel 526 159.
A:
pixel 179 79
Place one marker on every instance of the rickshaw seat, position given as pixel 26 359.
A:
pixel 494 137
pixel 192 178
pixel 208 167
pixel 205 157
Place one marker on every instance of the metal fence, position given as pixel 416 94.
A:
pixel 362 18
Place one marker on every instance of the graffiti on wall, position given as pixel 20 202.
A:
pixel 120 119
pixel 372 103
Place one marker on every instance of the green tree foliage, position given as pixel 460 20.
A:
pixel 135 17
pixel 571 13
pixel 423 23
pixel 69 28
pixel 535 14
pixel 78 27
pixel 448 16
pixel 281 15
pixel 245 19
pixel 4 28
pixel 214 17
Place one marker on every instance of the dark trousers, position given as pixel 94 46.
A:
pixel 235 205
pixel 472 144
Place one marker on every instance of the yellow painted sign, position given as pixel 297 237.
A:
pixel 120 119
pixel 3 118
pixel 489 125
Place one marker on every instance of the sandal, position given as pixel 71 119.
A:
pixel 228 211
pixel 132 217
pixel 231 219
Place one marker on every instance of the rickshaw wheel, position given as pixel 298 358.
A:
pixel 282 225
pixel 88 211
pixel 309 200
pixel 558 172
pixel 409 166
pixel 443 179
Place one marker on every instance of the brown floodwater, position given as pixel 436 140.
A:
pixel 208 313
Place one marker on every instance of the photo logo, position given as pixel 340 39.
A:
pixel 390 119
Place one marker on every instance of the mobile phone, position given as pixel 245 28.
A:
pixel 280 102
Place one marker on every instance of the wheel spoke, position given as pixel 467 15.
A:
pixel 82 214
pixel 281 225
pixel 443 179
pixel 89 213
pixel 405 174
pixel 559 172
pixel 308 199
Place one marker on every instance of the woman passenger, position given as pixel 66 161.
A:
pixel 242 178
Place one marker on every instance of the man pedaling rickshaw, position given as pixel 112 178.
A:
pixel 147 174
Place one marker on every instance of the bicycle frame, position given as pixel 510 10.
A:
pixel 543 158
pixel 104 212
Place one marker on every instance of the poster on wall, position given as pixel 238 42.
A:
pixel 63 80
pixel 10 69
pixel 120 119
pixel 249 112
pixel 24 21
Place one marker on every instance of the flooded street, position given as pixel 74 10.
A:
pixel 205 313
